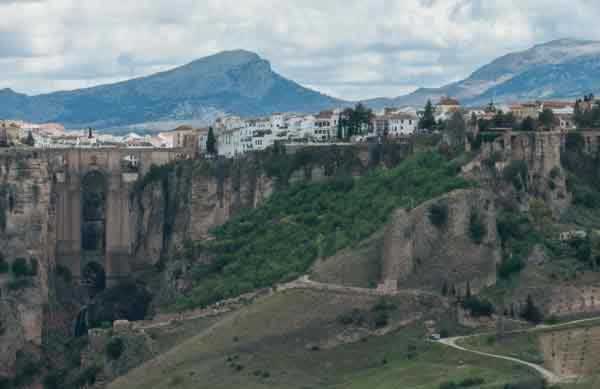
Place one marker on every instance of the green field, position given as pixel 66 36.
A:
pixel 292 340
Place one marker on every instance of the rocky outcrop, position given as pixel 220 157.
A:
pixel 419 254
pixel 26 232
pixel 191 200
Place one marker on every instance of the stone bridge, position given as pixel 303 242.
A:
pixel 94 220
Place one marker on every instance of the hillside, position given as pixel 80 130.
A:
pixel 237 82
pixel 561 69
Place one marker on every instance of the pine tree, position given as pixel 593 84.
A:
pixel 468 294
pixel 531 313
pixel 427 122
pixel 29 140
pixel 211 142
pixel 445 289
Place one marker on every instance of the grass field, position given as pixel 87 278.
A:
pixel 289 341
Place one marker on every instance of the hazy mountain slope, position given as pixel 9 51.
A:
pixel 236 81
pixel 559 69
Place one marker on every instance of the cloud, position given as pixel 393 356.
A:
pixel 348 48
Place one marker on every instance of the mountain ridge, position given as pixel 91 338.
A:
pixel 511 76
pixel 237 81
pixel 243 83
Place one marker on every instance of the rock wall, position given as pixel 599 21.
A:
pixel 572 353
pixel 542 153
pixel 188 202
pixel 418 254
pixel 26 231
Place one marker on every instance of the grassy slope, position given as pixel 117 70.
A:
pixel 525 346
pixel 273 334
pixel 281 239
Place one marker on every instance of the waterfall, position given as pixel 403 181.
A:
pixel 81 323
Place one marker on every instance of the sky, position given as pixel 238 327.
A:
pixel 346 48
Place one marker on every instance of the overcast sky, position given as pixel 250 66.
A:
pixel 347 48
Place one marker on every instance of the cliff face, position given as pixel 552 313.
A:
pixel 27 232
pixel 419 254
pixel 187 202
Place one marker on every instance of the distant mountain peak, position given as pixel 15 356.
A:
pixel 230 58
pixel 566 42
pixel 236 82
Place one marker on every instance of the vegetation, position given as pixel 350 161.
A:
pixel 516 173
pixel 354 121
pixel 456 128
pixel 4 266
pixel 211 142
pixel 531 312
pixel 21 268
pixel 281 239
pixel 115 348
pixel 547 118
pixel 438 214
pixel 478 307
pixel 587 113
pixel 427 121
pixel 466 383
pixel 477 227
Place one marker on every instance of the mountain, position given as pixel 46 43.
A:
pixel 238 82
pixel 560 69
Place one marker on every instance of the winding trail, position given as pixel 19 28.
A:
pixel 549 375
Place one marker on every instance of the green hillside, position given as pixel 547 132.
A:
pixel 281 239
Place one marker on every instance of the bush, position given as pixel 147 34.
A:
pixel 438 214
pixel 477 229
pixel 20 284
pixel 478 307
pixel 510 266
pixel 64 273
pixel 115 348
pixel 20 267
pixel 531 312
pixel 516 173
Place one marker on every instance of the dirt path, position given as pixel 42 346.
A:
pixel 550 376
pixel 547 374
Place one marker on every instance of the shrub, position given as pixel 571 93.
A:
pixel 516 173
pixel 477 229
pixel 381 319
pixel 4 266
pixel 20 284
pixel 87 377
pixel 510 266
pixel 115 348
pixel 478 307
pixel 438 214
pixel 64 273
pixel 20 267
pixel 470 382
pixel 448 385
pixel 5 383
pixel 531 312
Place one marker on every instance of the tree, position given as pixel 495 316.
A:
pixel 211 142
pixel 456 129
pixel 528 124
pixel 354 120
pixel 547 118
pixel 427 121
pixel 28 140
pixel 531 313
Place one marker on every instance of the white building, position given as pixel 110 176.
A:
pixel 401 124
